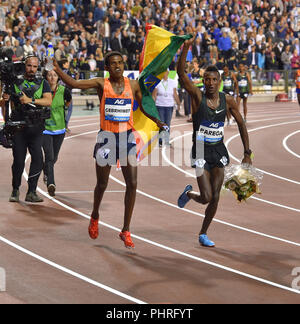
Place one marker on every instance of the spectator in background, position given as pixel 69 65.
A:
pixel 89 24
pixel 295 60
pixel 261 64
pixel 224 45
pixel 278 51
pixel 286 59
pixel 271 64
pixel 196 48
pixel 99 12
pixel 28 49
pixel 252 59
pixel 92 47
pixel 115 43
pixel 70 8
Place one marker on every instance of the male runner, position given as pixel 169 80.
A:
pixel 115 139
pixel 208 113
pixel 230 86
pixel 245 88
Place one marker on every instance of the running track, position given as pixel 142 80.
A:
pixel 49 258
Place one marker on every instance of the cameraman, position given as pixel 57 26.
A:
pixel 26 93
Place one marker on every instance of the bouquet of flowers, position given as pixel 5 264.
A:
pixel 243 180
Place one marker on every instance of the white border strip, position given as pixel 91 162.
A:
pixel 70 272
pixel 260 128
pixel 285 144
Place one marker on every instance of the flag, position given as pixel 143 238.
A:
pixel 160 46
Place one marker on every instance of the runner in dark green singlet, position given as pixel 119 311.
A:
pixel 209 112
pixel 245 87
pixel 230 87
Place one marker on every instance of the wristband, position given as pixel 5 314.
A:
pixel 248 152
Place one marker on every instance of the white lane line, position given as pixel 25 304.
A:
pixel 260 128
pixel 84 125
pixel 189 174
pixel 70 272
pixel 88 191
pixel 202 215
pixel 190 256
pixel 286 146
pixel 249 121
pixel 165 247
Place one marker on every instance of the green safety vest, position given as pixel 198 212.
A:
pixel 57 120
pixel 28 86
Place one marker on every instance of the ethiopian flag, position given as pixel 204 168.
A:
pixel 160 47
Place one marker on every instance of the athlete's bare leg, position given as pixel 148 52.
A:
pixel 102 182
pixel 130 177
pixel 245 108
pixel 210 185
pixel 216 182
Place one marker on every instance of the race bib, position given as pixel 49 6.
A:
pixel 243 83
pixel 227 83
pixel 211 132
pixel 117 110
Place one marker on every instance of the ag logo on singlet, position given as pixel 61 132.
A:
pixel 214 125
pixel 119 102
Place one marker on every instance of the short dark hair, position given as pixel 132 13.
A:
pixel 212 68
pixel 110 54
pixel 62 62
pixel 30 55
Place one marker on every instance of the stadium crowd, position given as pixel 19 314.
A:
pixel 262 34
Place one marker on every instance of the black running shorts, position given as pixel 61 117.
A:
pixel 214 156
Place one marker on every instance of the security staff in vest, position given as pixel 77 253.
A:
pixel 55 127
pixel 33 94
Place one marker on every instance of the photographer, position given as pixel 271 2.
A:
pixel 28 97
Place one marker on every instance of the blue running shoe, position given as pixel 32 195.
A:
pixel 184 199
pixel 205 241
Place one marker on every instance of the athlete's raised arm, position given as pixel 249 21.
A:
pixel 79 84
pixel 185 82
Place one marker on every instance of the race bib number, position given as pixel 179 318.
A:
pixel 210 132
pixel 227 83
pixel 117 110
pixel 243 83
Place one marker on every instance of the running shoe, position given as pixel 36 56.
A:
pixel 51 190
pixel 183 198
pixel 205 241
pixel 126 238
pixel 14 197
pixel 94 228
pixel 33 197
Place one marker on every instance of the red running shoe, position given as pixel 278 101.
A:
pixel 126 238
pixel 93 228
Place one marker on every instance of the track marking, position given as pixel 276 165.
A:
pixel 88 191
pixel 70 272
pixel 147 241
pixel 193 176
pixel 286 146
pixel 260 128
pixel 190 256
